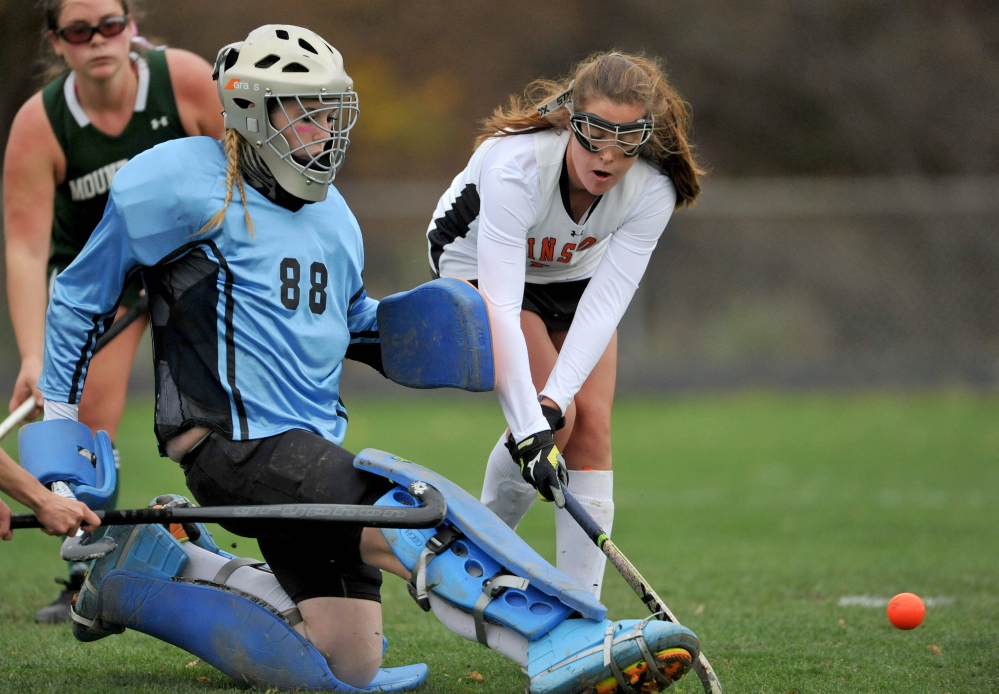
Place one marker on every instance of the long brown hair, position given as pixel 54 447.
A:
pixel 621 78
pixel 50 65
pixel 233 143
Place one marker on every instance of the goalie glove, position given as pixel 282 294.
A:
pixel 541 465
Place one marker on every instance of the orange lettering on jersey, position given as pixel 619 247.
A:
pixel 547 249
pixel 535 264
pixel 586 243
pixel 566 253
pixel 530 248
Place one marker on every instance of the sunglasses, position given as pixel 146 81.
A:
pixel 594 133
pixel 81 32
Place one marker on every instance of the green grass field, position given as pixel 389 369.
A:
pixel 774 526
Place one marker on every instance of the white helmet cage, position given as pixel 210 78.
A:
pixel 291 71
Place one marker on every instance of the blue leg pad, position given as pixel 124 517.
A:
pixel 580 654
pixel 491 542
pixel 437 336
pixel 462 573
pixel 238 635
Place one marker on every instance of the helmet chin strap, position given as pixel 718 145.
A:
pixel 258 175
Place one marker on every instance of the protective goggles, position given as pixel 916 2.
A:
pixel 594 133
pixel 81 32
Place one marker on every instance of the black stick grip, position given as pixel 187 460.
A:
pixel 430 514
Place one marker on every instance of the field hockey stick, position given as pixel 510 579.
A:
pixel 701 666
pixel 139 308
pixel 430 514
pixel 17 416
pixel 28 406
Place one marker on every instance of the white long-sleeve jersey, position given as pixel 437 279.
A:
pixel 503 222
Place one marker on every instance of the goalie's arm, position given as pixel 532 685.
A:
pixel 86 294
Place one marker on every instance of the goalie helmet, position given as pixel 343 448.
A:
pixel 292 75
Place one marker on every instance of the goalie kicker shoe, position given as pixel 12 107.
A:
pixel 150 548
pixel 626 657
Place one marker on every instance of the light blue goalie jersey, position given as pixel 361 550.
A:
pixel 249 330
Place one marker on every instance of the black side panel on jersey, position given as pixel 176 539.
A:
pixel 454 224
pixel 369 353
pixel 186 342
pixel 101 324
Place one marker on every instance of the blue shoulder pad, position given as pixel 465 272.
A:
pixel 61 450
pixel 239 636
pixel 437 336
pixel 486 529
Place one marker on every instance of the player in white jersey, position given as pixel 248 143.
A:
pixel 555 217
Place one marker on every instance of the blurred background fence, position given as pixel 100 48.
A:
pixel 847 234
pixel 783 282
pixel 772 282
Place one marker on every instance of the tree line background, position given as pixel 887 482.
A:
pixel 847 231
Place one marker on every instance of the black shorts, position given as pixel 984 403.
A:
pixel 310 560
pixel 556 303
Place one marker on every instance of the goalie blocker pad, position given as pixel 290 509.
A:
pixel 61 450
pixel 437 336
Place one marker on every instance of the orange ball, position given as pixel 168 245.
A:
pixel 906 611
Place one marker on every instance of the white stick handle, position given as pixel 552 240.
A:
pixel 17 416
pixel 62 489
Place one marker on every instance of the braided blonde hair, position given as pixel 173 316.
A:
pixel 233 143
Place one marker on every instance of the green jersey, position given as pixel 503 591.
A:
pixel 93 157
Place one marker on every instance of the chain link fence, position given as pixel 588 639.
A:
pixel 783 283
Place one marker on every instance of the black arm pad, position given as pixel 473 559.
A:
pixel 369 353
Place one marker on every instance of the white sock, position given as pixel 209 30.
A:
pixel 499 638
pixel 576 555
pixel 504 491
pixel 203 565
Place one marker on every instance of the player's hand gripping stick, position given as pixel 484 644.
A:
pixel 78 547
pixel 541 465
